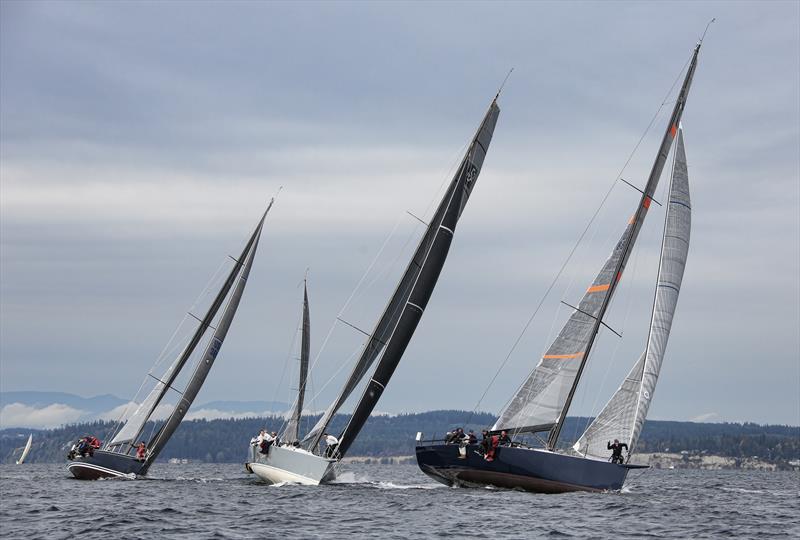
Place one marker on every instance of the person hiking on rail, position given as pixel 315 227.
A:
pixel 616 454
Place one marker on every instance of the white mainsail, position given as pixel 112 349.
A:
pixel 27 449
pixel 624 415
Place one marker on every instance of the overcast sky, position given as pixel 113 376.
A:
pixel 141 141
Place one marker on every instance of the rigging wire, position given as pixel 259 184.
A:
pixel 579 241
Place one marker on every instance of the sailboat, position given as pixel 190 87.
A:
pixel 304 463
pixel 25 450
pixel 119 456
pixel 543 400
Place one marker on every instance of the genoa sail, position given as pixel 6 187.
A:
pixel 624 415
pixel 543 400
pixel 293 427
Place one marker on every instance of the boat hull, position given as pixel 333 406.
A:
pixel 106 465
pixel 287 464
pixel 529 469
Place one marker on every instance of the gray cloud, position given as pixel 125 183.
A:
pixel 139 142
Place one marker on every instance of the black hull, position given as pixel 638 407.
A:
pixel 106 465
pixel 520 468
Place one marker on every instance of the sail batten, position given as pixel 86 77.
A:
pixel 624 415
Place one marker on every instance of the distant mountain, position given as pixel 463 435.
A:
pixel 33 409
pixel 40 400
pixel 240 407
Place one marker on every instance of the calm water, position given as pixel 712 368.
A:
pixel 391 501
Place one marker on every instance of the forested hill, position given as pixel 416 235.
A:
pixel 227 440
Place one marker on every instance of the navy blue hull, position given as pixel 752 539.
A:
pixel 106 464
pixel 521 468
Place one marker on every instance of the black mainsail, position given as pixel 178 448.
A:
pixel 293 427
pixel 388 340
pixel 412 296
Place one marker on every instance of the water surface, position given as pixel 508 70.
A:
pixel 389 501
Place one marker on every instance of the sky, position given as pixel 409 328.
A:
pixel 140 142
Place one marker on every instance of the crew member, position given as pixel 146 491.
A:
pixel 616 448
pixel 331 443
pixel 505 440
pixel 141 451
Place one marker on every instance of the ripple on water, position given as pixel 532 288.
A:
pixel 219 501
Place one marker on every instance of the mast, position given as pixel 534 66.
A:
pixel 212 349
pixel 293 429
pixel 629 238
pixel 433 250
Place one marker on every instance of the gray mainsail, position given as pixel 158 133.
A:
pixel 624 415
pixel 293 427
pixel 135 423
pixel 543 400
pixel 467 174
pixel 429 258
pixel 212 349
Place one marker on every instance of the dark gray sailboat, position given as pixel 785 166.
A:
pixel 118 457
pixel 388 340
pixel 542 402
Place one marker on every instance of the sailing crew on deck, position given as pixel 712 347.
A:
pixel 331 443
pixel 505 440
pixel 141 451
pixel 485 441
pixel 616 455
pixel 471 438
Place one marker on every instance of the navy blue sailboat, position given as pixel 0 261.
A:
pixel 542 402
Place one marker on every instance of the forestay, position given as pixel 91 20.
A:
pixel 624 415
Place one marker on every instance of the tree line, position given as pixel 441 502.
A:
pixel 227 440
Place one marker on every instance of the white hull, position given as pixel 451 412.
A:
pixel 287 464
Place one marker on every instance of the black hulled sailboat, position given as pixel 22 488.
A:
pixel 543 400
pixel 388 340
pixel 118 456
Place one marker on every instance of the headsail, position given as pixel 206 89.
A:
pixel 243 266
pixel 430 258
pixel 543 400
pixel 624 415
pixel 388 323
pixel 293 427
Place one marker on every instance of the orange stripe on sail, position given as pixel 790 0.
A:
pixel 598 288
pixel 673 130
pixel 576 355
